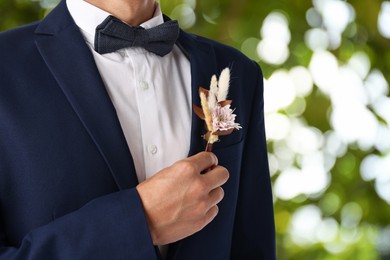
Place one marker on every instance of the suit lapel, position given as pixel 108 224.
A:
pixel 203 66
pixel 68 58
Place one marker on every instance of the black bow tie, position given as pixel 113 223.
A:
pixel 113 34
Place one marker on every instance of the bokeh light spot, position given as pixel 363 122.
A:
pixel 273 51
pixel 317 39
pixel 304 225
pixel 279 91
pixel 384 20
pixel 185 15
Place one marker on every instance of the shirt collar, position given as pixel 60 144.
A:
pixel 87 17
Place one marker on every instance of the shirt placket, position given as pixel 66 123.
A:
pixel 148 114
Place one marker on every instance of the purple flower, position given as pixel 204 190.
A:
pixel 223 119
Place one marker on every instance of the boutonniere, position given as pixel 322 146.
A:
pixel 216 112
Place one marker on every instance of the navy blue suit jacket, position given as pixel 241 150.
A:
pixel 67 179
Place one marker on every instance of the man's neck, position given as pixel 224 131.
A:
pixel 132 12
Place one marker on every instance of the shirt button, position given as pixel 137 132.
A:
pixel 143 85
pixel 152 149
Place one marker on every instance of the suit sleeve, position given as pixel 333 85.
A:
pixel 254 222
pixel 109 227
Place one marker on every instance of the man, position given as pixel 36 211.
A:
pixel 100 152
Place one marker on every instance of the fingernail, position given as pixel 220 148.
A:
pixel 215 159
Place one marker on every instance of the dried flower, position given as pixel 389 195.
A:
pixel 216 111
pixel 223 119
pixel 223 85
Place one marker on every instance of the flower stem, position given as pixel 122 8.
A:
pixel 209 147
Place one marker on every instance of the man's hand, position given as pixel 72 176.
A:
pixel 180 201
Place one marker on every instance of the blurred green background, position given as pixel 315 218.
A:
pixel 326 65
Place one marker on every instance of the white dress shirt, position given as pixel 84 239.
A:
pixel 151 94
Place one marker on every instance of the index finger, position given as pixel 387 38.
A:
pixel 204 160
pixel 216 177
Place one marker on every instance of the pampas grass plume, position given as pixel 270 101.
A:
pixel 212 99
pixel 223 84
